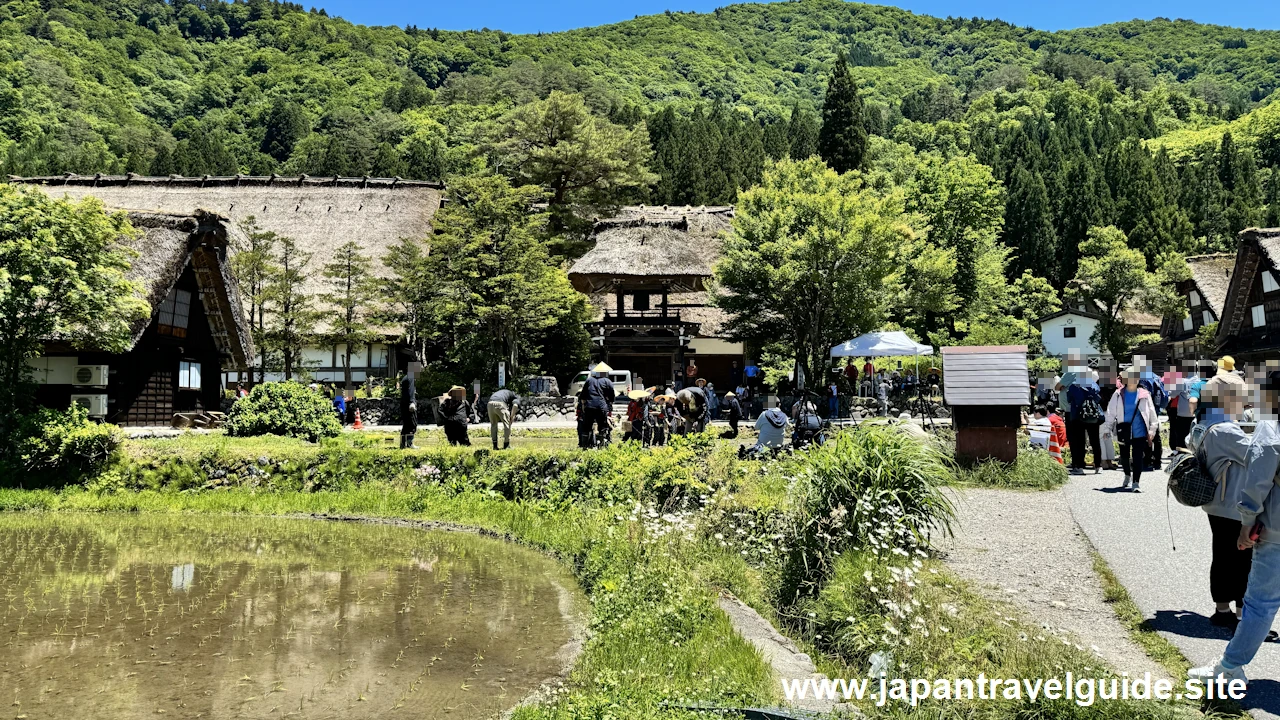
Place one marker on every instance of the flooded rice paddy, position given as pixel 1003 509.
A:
pixel 131 616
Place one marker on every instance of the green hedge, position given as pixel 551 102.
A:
pixel 58 447
pixel 283 408
pixel 618 473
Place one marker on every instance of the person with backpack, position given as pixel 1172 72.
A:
pixel 1084 417
pixel 1150 382
pixel 1222 449
pixel 1131 414
pixel 1259 506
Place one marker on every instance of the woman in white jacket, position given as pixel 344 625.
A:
pixel 1132 418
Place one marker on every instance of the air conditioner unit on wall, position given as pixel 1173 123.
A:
pixel 95 404
pixel 94 375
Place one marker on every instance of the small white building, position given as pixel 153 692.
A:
pixel 1067 330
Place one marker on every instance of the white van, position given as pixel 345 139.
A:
pixel 621 380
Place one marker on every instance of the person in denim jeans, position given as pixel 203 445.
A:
pixel 1259 504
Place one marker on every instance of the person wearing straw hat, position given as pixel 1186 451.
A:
pixel 655 430
pixel 598 396
pixel 735 414
pixel 456 412
pixel 637 411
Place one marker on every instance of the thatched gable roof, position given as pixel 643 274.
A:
pixel 165 243
pixel 321 214
pixel 640 254
pixel 702 221
pixel 1258 248
pixel 1212 276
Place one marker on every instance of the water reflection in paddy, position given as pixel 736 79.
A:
pixel 126 616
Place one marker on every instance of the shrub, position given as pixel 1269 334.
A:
pixel 57 446
pixel 1033 470
pixel 875 486
pixel 286 408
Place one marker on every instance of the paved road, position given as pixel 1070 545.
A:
pixel 1171 587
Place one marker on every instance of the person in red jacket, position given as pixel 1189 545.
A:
pixel 1059 429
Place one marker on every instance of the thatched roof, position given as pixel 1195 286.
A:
pixel 165 243
pixel 1268 240
pixel 636 253
pixel 702 221
pixel 1257 248
pixel 1212 276
pixel 321 214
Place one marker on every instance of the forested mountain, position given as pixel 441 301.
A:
pixel 1006 147
pixel 105 85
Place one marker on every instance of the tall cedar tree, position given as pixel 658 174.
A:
pixel 254 268
pixel 1273 199
pixel 842 141
pixel 350 276
pixel 292 320
pixel 286 124
pixel 802 134
pixel 1028 225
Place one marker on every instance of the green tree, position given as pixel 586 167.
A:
pixel 1028 224
pixel 802 134
pixel 806 261
pixel 842 142
pixel 961 202
pixel 1273 199
pixel 353 291
pixel 487 291
pixel 1114 278
pixel 62 275
pixel 254 267
pixel 579 159
pixel 1085 206
pixel 286 124
pixel 291 323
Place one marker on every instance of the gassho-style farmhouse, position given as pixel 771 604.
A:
pixel 645 276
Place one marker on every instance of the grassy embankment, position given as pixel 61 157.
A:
pixel 831 546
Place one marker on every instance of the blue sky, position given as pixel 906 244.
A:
pixel 525 16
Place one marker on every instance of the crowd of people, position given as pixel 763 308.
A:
pixel 653 415
pixel 1244 574
pixel 1118 417
pixel 1209 409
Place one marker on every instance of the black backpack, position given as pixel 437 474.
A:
pixel 1190 482
pixel 1086 403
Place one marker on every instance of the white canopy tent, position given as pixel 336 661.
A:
pixel 881 344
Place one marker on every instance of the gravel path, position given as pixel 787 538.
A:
pixel 1170 587
pixel 1024 547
